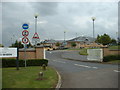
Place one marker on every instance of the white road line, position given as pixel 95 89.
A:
pixel 82 65
pixel 59 61
pixel 116 71
pixel 86 66
pixel 95 67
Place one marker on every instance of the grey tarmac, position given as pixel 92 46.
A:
pixel 77 74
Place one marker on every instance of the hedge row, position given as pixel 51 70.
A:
pixel 111 58
pixel 12 62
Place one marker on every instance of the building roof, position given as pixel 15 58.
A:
pixel 52 41
pixel 82 39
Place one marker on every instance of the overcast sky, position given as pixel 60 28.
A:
pixel 56 17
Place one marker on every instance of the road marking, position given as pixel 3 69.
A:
pixel 86 66
pixel 59 61
pixel 116 71
pixel 82 65
pixel 95 67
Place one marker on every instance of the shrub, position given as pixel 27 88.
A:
pixel 111 58
pixel 32 62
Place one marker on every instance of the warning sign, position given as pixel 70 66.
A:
pixel 35 36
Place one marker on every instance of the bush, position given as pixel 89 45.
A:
pixel 111 58
pixel 32 62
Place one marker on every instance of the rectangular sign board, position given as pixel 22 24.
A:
pixel 95 55
pixel 8 52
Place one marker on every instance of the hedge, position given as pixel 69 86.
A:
pixel 111 58
pixel 32 62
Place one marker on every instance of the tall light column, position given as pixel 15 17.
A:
pixel 64 36
pixel 36 15
pixel 93 19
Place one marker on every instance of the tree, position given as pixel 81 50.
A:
pixel 103 39
pixel 1 45
pixel 118 41
pixel 29 45
pixel 57 44
pixel 113 42
pixel 98 39
pixel 17 44
pixel 73 44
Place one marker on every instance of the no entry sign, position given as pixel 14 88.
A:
pixel 25 40
pixel 25 33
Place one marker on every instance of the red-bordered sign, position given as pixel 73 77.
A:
pixel 35 36
pixel 25 40
pixel 25 33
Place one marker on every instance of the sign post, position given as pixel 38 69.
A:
pixel 25 40
pixel 36 38
pixel 25 55
pixel 17 59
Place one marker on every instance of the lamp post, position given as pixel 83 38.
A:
pixel 36 16
pixel 93 19
pixel 64 37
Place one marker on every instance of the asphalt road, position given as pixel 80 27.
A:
pixel 76 74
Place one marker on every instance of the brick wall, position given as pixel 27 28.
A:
pixel 34 53
pixel 107 52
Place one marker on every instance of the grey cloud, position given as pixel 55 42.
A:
pixel 45 8
pixel 59 18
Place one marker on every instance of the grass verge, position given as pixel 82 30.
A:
pixel 73 49
pixel 115 61
pixel 114 47
pixel 83 51
pixel 27 78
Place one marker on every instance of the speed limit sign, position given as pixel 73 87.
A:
pixel 25 40
pixel 25 33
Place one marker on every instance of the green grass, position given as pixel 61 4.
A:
pixel 83 51
pixel 73 49
pixel 114 47
pixel 114 62
pixel 26 78
pixel 1 78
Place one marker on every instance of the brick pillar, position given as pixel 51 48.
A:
pixel 105 51
pixel 40 53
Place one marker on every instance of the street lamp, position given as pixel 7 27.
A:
pixel 36 16
pixel 93 19
pixel 64 36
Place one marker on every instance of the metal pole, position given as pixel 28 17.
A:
pixel 93 29
pixel 64 36
pixel 17 59
pixel 35 29
pixel 35 24
pixel 25 55
pixel 76 36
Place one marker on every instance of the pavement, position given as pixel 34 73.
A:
pixel 77 74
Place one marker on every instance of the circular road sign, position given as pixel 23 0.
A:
pixel 25 40
pixel 25 33
pixel 25 26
